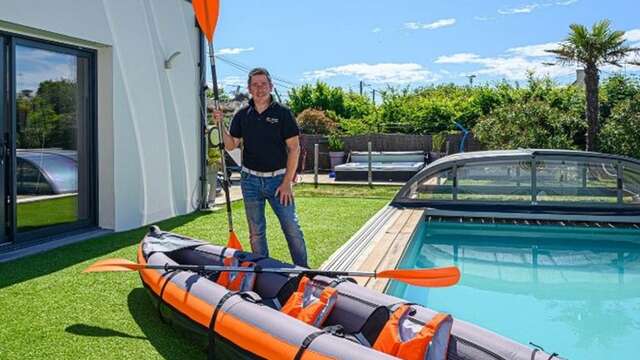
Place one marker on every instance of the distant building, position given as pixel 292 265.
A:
pixel 579 78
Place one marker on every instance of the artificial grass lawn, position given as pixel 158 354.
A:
pixel 50 310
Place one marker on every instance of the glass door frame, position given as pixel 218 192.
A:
pixel 10 215
pixel 4 110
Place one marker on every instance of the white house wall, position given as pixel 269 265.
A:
pixel 148 116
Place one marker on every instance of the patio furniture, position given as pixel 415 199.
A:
pixel 396 166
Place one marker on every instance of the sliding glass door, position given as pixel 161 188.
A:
pixel 4 112
pixel 50 169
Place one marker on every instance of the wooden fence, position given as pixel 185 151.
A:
pixel 380 142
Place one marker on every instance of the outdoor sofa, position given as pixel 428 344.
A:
pixel 395 166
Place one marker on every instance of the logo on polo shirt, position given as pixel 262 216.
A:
pixel 271 120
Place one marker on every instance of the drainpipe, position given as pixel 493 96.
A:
pixel 203 120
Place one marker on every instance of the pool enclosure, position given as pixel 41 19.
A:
pixel 556 184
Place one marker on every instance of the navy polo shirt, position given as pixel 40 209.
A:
pixel 263 135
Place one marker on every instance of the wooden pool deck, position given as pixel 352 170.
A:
pixel 378 245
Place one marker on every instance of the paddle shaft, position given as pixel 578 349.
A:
pixel 201 268
pixel 434 277
pixel 216 104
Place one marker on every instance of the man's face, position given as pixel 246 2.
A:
pixel 260 87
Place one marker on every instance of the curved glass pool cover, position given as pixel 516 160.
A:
pixel 558 181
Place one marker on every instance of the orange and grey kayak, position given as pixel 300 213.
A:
pixel 249 323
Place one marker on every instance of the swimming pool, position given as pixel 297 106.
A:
pixel 570 290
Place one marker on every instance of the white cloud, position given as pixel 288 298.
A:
pixel 234 81
pixel 520 10
pixel 431 26
pixel 229 81
pixel 632 35
pixel 517 68
pixel 457 58
pixel 388 73
pixel 567 2
pixel 34 66
pixel 526 9
pixel 514 64
pixel 376 30
pixel 534 50
pixel 234 51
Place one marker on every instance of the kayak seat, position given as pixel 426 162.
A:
pixel 361 320
pixel 198 256
pixel 275 289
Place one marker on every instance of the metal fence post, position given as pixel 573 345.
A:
pixel 370 174
pixel 316 156
pixel 620 182
pixel 534 181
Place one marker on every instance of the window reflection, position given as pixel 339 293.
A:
pixel 571 181
pixel 436 187
pixel 505 181
pixel 50 117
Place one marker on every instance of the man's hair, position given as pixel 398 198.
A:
pixel 259 71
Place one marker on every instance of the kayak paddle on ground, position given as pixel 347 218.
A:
pixel 435 277
pixel 207 12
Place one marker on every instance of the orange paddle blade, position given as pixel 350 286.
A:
pixel 207 12
pixel 114 265
pixel 234 242
pixel 438 277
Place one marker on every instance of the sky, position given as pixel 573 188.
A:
pixel 36 65
pixel 404 43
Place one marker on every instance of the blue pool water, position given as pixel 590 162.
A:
pixel 574 291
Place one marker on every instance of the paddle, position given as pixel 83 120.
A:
pixel 436 277
pixel 207 15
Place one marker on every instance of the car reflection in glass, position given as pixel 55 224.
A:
pixel 46 171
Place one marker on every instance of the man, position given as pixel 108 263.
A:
pixel 271 146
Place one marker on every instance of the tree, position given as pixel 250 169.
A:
pixel 592 49
pixel 61 94
pixel 319 96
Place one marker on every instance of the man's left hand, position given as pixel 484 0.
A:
pixel 285 193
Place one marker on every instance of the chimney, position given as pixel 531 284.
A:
pixel 579 77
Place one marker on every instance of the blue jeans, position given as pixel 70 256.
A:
pixel 255 190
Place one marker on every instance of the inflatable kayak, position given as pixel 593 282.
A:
pixel 266 315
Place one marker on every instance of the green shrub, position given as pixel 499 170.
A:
pixel 434 109
pixel 437 141
pixel 369 124
pixel 528 124
pixel 335 143
pixel 345 105
pixel 319 96
pixel 313 121
pixel 621 132
pixel 615 90
pixel 357 106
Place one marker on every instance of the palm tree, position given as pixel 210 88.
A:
pixel 592 49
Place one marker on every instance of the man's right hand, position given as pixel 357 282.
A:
pixel 217 116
